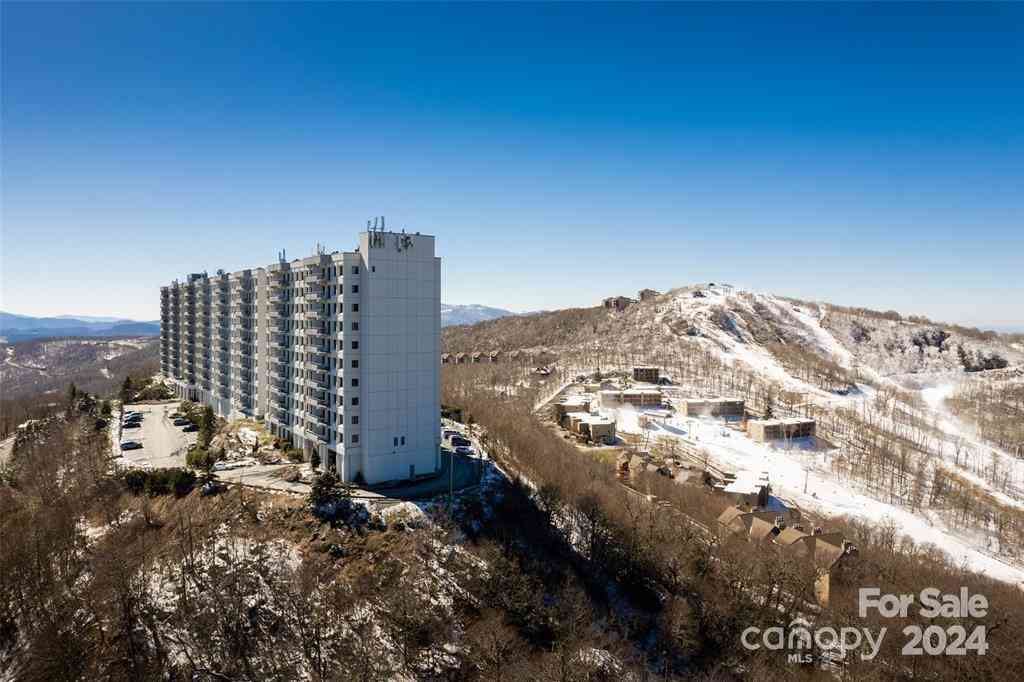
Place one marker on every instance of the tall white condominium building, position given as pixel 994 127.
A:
pixel 338 353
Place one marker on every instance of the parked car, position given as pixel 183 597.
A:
pixel 181 421
pixel 131 445
pixel 190 427
pixel 126 415
pixel 448 433
pixel 458 441
pixel 464 450
pixel 133 425
pixel 132 419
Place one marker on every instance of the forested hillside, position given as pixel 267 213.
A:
pixel 908 414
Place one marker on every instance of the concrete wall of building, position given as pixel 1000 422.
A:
pixel 339 353
pixel 400 328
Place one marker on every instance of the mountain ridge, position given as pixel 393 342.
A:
pixel 14 328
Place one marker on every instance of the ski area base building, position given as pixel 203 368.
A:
pixel 338 353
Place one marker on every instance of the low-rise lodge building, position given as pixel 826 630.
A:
pixel 829 553
pixel 637 397
pixel 619 303
pixel 648 375
pixel 647 294
pixel 591 427
pixel 749 489
pixel 766 430
pixel 715 407
pixel 572 403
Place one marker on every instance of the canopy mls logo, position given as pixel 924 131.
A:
pixel 800 639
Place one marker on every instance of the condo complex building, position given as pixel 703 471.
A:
pixel 338 353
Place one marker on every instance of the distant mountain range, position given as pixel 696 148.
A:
pixel 15 328
pixel 470 314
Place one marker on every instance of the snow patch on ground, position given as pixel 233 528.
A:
pixel 802 474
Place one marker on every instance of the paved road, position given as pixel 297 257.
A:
pixel 163 443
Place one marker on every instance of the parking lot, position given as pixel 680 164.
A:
pixel 163 443
pixel 166 445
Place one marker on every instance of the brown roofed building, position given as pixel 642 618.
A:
pixel 764 430
pixel 649 375
pixel 619 303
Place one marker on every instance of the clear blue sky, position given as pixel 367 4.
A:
pixel 864 154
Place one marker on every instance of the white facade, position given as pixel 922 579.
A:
pixel 339 353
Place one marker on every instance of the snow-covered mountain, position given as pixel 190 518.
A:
pixel 469 314
pixel 891 446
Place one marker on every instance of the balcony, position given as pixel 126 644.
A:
pixel 316 414
pixel 319 432
pixel 314 295
pixel 243 350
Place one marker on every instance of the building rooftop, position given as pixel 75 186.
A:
pixel 747 482
pixel 786 420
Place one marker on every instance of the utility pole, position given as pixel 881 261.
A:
pixel 807 474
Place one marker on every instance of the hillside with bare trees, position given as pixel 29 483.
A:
pixel 874 382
